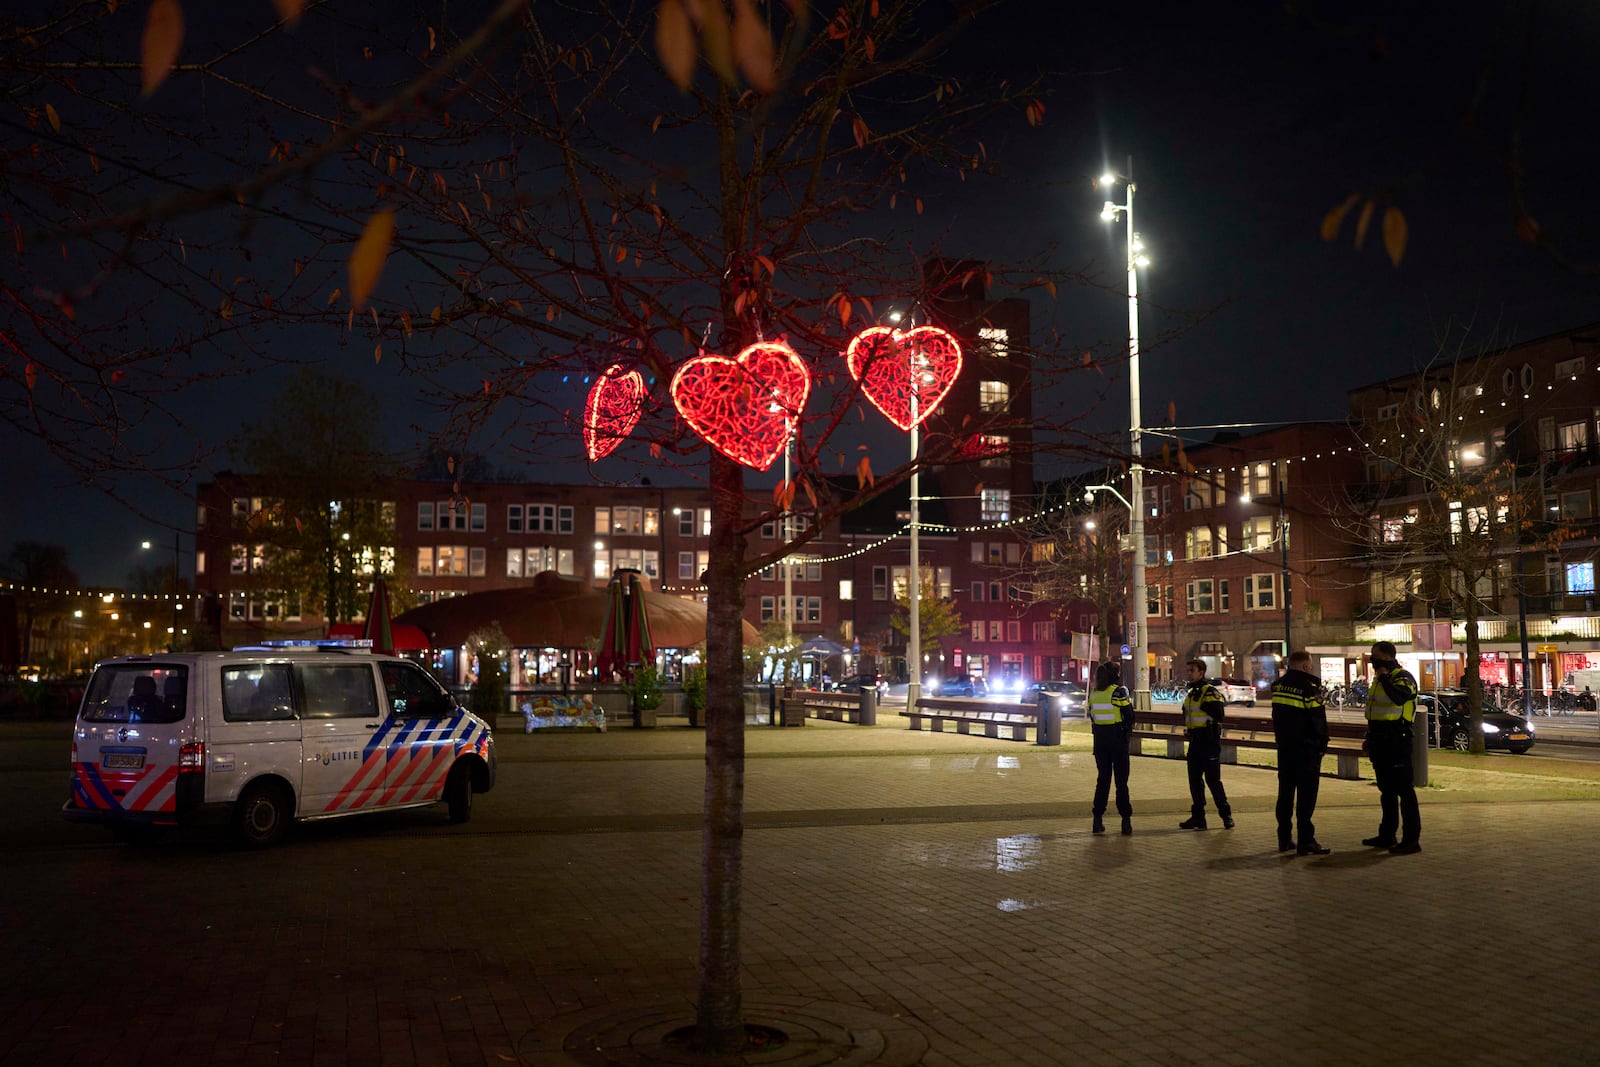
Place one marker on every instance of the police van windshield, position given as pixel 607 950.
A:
pixel 137 692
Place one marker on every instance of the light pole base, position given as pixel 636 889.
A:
pixel 1141 699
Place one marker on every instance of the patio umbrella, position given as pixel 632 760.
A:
pixel 377 627
pixel 612 654
pixel 820 647
pixel 560 612
pixel 625 635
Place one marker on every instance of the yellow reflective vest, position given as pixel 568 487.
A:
pixel 1382 707
pixel 1108 706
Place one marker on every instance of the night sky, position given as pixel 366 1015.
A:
pixel 1246 123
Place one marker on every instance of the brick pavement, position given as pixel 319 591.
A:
pixel 938 898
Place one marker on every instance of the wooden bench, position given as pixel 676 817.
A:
pixel 1018 719
pixel 1252 731
pixel 819 704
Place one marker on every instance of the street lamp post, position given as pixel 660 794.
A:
pixel 1136 259
pixel 914 630
pixel 176 581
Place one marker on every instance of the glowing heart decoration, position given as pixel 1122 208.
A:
pixel 882 359
pixel 744 408
pixel 616 400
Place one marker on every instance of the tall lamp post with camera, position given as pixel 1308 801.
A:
pixel 1139 638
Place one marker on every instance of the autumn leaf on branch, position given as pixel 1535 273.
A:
pixel 366 262
pixel 160 44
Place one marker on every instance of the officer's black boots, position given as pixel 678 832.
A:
pixel 1099 825
pixel 1227 818
pixel 1196 821
pixel 1285 844
pixel 1378 842
pixel 1312 848
pixel 1127 826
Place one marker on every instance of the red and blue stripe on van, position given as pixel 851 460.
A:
pixel 407 759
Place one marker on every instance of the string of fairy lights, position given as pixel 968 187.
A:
pixel 111 595
pixel 104 595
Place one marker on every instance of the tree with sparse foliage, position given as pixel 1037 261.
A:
pixel 43 580
pixel 319 459
pixel 539 194
pixel 1075 554
pixel 936 616
pixel 1442 525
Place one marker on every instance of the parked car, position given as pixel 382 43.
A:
pixel 1449 721
pixel 1067 696
pixel 1236 691
pixel 964 685
pixel 856 683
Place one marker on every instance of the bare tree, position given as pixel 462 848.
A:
pixel 1443 517
pixel 520 201
pixel 1078 554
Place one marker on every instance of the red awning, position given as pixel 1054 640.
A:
pixel 407 637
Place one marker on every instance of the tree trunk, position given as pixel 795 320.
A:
pixel 719 1011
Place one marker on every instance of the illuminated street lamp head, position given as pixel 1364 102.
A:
pixel 1108 179
pixel 1109 212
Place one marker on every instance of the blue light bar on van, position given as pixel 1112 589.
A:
pixel 317 642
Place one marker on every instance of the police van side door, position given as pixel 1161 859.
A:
pixel 344 737
pixel 433 731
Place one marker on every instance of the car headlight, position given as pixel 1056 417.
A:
pixel 1490 728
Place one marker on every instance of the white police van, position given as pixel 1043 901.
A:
pixel 259 736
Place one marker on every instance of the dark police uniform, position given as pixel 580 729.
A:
pixel 1300 727
pixel 1111 713
pixel 1391 715
pixel 1202 719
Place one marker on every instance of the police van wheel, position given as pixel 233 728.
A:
pixel 261 816
pixel 458 793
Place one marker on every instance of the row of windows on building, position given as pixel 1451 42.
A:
pixel 1512 381
pixel 1213 596
pixel 1570 578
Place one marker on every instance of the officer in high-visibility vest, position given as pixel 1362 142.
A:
pixel 1391 714
pixel 1300 727
pixel 1202 720
pixel 1111 713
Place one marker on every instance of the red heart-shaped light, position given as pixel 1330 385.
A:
pixel 881 359
pixel 744 408
pixel 616 400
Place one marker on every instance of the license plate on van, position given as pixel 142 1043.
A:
pixel 123 761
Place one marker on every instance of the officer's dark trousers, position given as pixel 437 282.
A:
pixel 1391 766
pixel 1299 777
pixel 1111 761
pixel 1205 769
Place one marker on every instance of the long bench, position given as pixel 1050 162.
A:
pixel 1018 719
pixel 832 704
pixel 1253 731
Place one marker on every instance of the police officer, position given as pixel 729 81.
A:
pixel 1202 719
pixel 1111 713
pixel 1391 712
pixel 1300 727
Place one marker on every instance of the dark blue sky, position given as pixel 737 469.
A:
pixel 1246 124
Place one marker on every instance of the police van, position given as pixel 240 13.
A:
pixel 257 737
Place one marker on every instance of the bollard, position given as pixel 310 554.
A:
pixel 869 706
pixel 1049 730
pixel 1419 747
pixel 772 703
